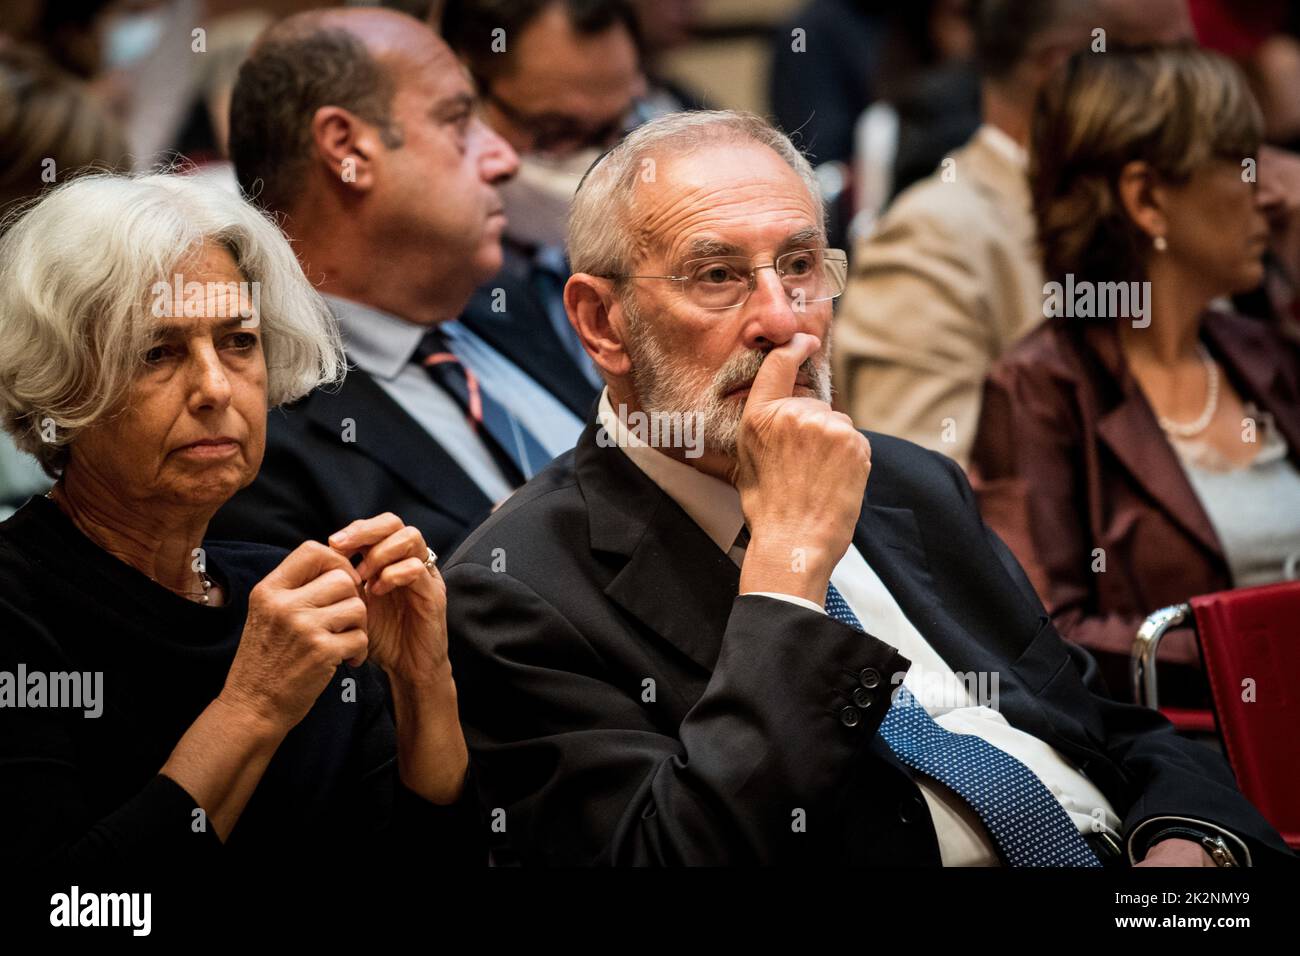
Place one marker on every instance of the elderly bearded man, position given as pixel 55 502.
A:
pixel 695 660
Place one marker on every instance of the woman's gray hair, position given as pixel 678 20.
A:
pixel 77 272
pixel 601 238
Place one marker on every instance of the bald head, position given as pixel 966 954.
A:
pixel 346 58
pixel 383 33
pixel 362 129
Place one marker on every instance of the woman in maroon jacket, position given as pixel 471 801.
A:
pixel 1140 447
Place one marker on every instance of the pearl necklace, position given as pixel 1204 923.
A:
pixel 205 596
pixel 200 597
pixel 1202 422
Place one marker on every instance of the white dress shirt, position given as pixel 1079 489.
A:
pixel 1002 144
pixel 714 505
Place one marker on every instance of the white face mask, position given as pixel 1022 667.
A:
pixel 133 36
pixel 537 199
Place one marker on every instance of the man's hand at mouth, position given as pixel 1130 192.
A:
pixel 801 471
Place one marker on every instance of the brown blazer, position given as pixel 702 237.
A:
pixel 1069 458
pixel 946 283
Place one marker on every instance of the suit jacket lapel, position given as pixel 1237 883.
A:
pixel 524 335
pixel 678 583
pixel 1130 430
pixel 674 579
pixel 386 433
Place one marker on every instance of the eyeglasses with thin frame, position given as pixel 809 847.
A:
pixel 559 136
pixel 727 282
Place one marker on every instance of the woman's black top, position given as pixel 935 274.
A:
pixel 85 791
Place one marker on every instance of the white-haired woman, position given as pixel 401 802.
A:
pixel 171 697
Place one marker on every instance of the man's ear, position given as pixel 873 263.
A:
pixel 346 146
pixel 1143 197
pixel 596 315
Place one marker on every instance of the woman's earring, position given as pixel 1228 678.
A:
pixel 1160 244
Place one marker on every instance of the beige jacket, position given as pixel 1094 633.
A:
pixel 949 280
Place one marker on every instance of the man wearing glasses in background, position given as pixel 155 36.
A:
pixel 665 638
pixel 561 82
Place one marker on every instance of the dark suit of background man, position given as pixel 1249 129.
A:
pixel 358 128
pixel 562 90
pixel 668 663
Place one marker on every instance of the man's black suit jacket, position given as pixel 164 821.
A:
pixel 318 474
pixel 522 332
pixel 624 705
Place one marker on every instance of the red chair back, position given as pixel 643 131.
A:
pixel 1250 640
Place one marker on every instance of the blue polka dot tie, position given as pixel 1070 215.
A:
pixel 1027 823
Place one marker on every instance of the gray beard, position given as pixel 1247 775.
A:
pixel 665 384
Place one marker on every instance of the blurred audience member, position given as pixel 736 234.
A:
pixel 1150 454
pixel 1261 39
pixel 164 68
pixel 51 126
pixel 203 137
pixel 1278 298
pixel 142 56
pixel 358 127
pixel 561 82
pixel 950 278
pixel 1139 22
pixel 929 78
pixel 834 58
pixel 70 34
pixel 664 26
pixel 825 67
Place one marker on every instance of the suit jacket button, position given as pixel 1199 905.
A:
pixel 910 809
pixel 869 678
pixel 862 697
pixel 849 717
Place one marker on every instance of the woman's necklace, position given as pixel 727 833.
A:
pixel 201 597
pixel 205 595
pixel 1202 422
